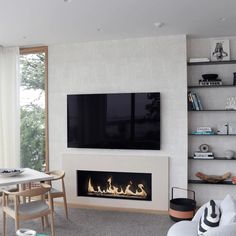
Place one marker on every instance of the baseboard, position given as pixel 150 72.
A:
pixel 104 208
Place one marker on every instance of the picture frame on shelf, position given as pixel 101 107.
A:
pixel 220 50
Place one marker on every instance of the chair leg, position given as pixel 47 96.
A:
pixel 16 224
pixel 42 220
pixel 65 207
pixel 52 204
pixel 46 219
pixel 4 224
pixel 52 224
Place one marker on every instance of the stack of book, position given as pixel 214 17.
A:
pixel 203 155
pixel 216 82
pixel 204 131
pixel 194 102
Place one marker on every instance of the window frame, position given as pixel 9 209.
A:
pixel 34 50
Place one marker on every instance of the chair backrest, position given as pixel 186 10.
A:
pixel 57 174
pixel 43 189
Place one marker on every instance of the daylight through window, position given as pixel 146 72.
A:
pixel 33 108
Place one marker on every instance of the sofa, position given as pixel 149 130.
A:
pixel 190 228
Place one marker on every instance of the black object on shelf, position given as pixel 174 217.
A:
pixel 234 81
pixel 225 182
pixel 210 77
pixel 211 63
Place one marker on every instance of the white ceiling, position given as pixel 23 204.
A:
pixel 45 22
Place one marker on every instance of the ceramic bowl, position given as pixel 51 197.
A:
pixel 26 232
pixel 210 77
pixel 9 172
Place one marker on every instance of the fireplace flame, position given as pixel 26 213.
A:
pixel 117 191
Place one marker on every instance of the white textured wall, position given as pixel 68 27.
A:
pixel 132 65
pixel 212 99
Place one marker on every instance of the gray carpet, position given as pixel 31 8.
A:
pixel 87 222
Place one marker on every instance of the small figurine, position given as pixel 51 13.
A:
pixel 219 52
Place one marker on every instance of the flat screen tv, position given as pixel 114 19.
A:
pixel 114 121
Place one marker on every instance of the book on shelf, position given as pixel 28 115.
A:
pixel 194 102
pixel 203 155
pixel 204 129
pixel 210 83
pixel 203 132
pixel 199 102
pixel 190 101
pixel 199 59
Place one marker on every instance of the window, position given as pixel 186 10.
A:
pixel 33 108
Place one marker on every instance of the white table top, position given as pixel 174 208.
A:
pixel 29 175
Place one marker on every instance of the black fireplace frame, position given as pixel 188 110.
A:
pixel 135 177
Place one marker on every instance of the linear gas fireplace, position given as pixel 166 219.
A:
pixel 122 185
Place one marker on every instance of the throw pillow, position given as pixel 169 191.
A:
pixel 210 218
pixel 228 211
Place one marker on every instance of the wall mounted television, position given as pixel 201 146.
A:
pixel 114 121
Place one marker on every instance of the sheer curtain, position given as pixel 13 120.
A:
pixel 9 108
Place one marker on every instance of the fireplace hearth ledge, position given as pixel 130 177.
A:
pixel 158 166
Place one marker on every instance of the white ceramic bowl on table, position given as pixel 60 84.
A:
pixel 9 172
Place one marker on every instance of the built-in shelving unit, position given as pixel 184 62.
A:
pixel 211 113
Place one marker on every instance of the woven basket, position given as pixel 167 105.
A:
pixel 182 208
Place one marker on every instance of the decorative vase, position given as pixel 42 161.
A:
pixel 229 154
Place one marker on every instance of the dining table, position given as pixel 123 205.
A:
pixel 27 176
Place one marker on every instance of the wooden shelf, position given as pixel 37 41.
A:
pixel 215 159
pixel 226 182
pixel 212 86
pixel 211 63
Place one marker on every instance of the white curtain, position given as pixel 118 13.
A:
pixel 9 108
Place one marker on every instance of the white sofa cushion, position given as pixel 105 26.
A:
pixel 228 211
pixel 183 228
pixel 210 218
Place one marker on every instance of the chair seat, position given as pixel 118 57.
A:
pixel 54 190
pixel 55 193
pixel 31 207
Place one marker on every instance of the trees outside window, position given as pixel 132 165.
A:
pixel 33 108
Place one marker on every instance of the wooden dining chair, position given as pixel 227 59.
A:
pixel 28 210
pixel 9 189
pixel 58 175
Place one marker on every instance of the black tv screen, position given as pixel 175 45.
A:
pixel 114 121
